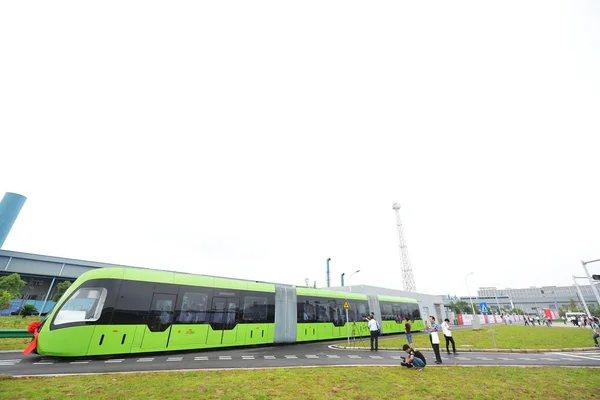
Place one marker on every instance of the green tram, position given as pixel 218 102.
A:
pixel 129 310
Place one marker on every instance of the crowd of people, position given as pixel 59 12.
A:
pixel 415 359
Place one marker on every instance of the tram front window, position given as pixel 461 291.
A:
pixel 85 305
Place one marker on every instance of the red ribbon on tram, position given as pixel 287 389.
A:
pixel 32 328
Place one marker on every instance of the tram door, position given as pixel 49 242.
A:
pixel 160 319
pixel 224 318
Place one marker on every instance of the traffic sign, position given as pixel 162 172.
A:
pixel 346 304
pixel 483 308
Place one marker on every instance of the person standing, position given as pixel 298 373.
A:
pixel 596 328
pixel 434 338
pixel 374 329
pixel 408 332
pixel 448 336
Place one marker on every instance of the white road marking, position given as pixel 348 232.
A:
pixel 224 357
pixel 270 357
pixel 396 357
pixel 247 357
pixel 484 358
pixel 332 356
pixel 200 358
pixel 549 359
pixel 145 360
pixel 43 363
pixel 353 356
pixel 79 362
pixel 175 359
pixel 505 358
pixel 311 356
pixel 577 356
pixel 114 361
pixel 376 357
pixel 291 356
pixel 526 359
pixel 463 358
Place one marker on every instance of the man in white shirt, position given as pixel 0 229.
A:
pixel 448 335
pixel 374 328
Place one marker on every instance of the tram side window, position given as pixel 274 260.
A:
pixel 306 311
pixel 193 308
pixel 386 312
pixel 397 311
pixel 363 311
pixel 414 311
pixel 255 309
pixel 133 303
pixel 85 305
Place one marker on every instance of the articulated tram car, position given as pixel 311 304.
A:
pixel 126 310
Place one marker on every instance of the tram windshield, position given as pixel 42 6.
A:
pixel 84 305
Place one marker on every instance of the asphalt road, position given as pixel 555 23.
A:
pixel 297 355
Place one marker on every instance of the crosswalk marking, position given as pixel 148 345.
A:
pixel 586 357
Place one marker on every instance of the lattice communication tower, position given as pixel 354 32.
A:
pixel 407 275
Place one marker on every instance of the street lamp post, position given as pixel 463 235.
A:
pixel 475 322
pixel 350 279
pixel 584 263
pixel 469 292
pixel 496 295
pixel 587 311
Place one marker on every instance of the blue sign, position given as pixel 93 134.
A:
pixel 484 308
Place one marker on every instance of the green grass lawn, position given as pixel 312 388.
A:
pixel 14 322
pixel 318 383
pixel 507 337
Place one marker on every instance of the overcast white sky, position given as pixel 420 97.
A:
pixel 256 139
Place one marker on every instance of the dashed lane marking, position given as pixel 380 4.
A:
pixel 43 363
pixel 114 361
pixel 353 356
pixel 526 359
pixel 376 357
pixel 484 358
pixel 174 359
pixel 200 358
pixel 247 357
pixel 270 357
pixel 332 356
pixel 79 362
pixel 224 357
pixel 311 356
pixel 396 357
pixel 290 356
pixel 145 360
pixel 463 358
pixel 505 358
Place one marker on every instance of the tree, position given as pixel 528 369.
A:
pixel 460 307
pixel 10 288
pixel 61 288
pixel 12 284
pixel 517 311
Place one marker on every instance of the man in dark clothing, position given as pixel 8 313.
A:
pixel 415 359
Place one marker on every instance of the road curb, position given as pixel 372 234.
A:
pixel 461 350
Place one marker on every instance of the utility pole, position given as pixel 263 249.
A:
pixel 407 275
